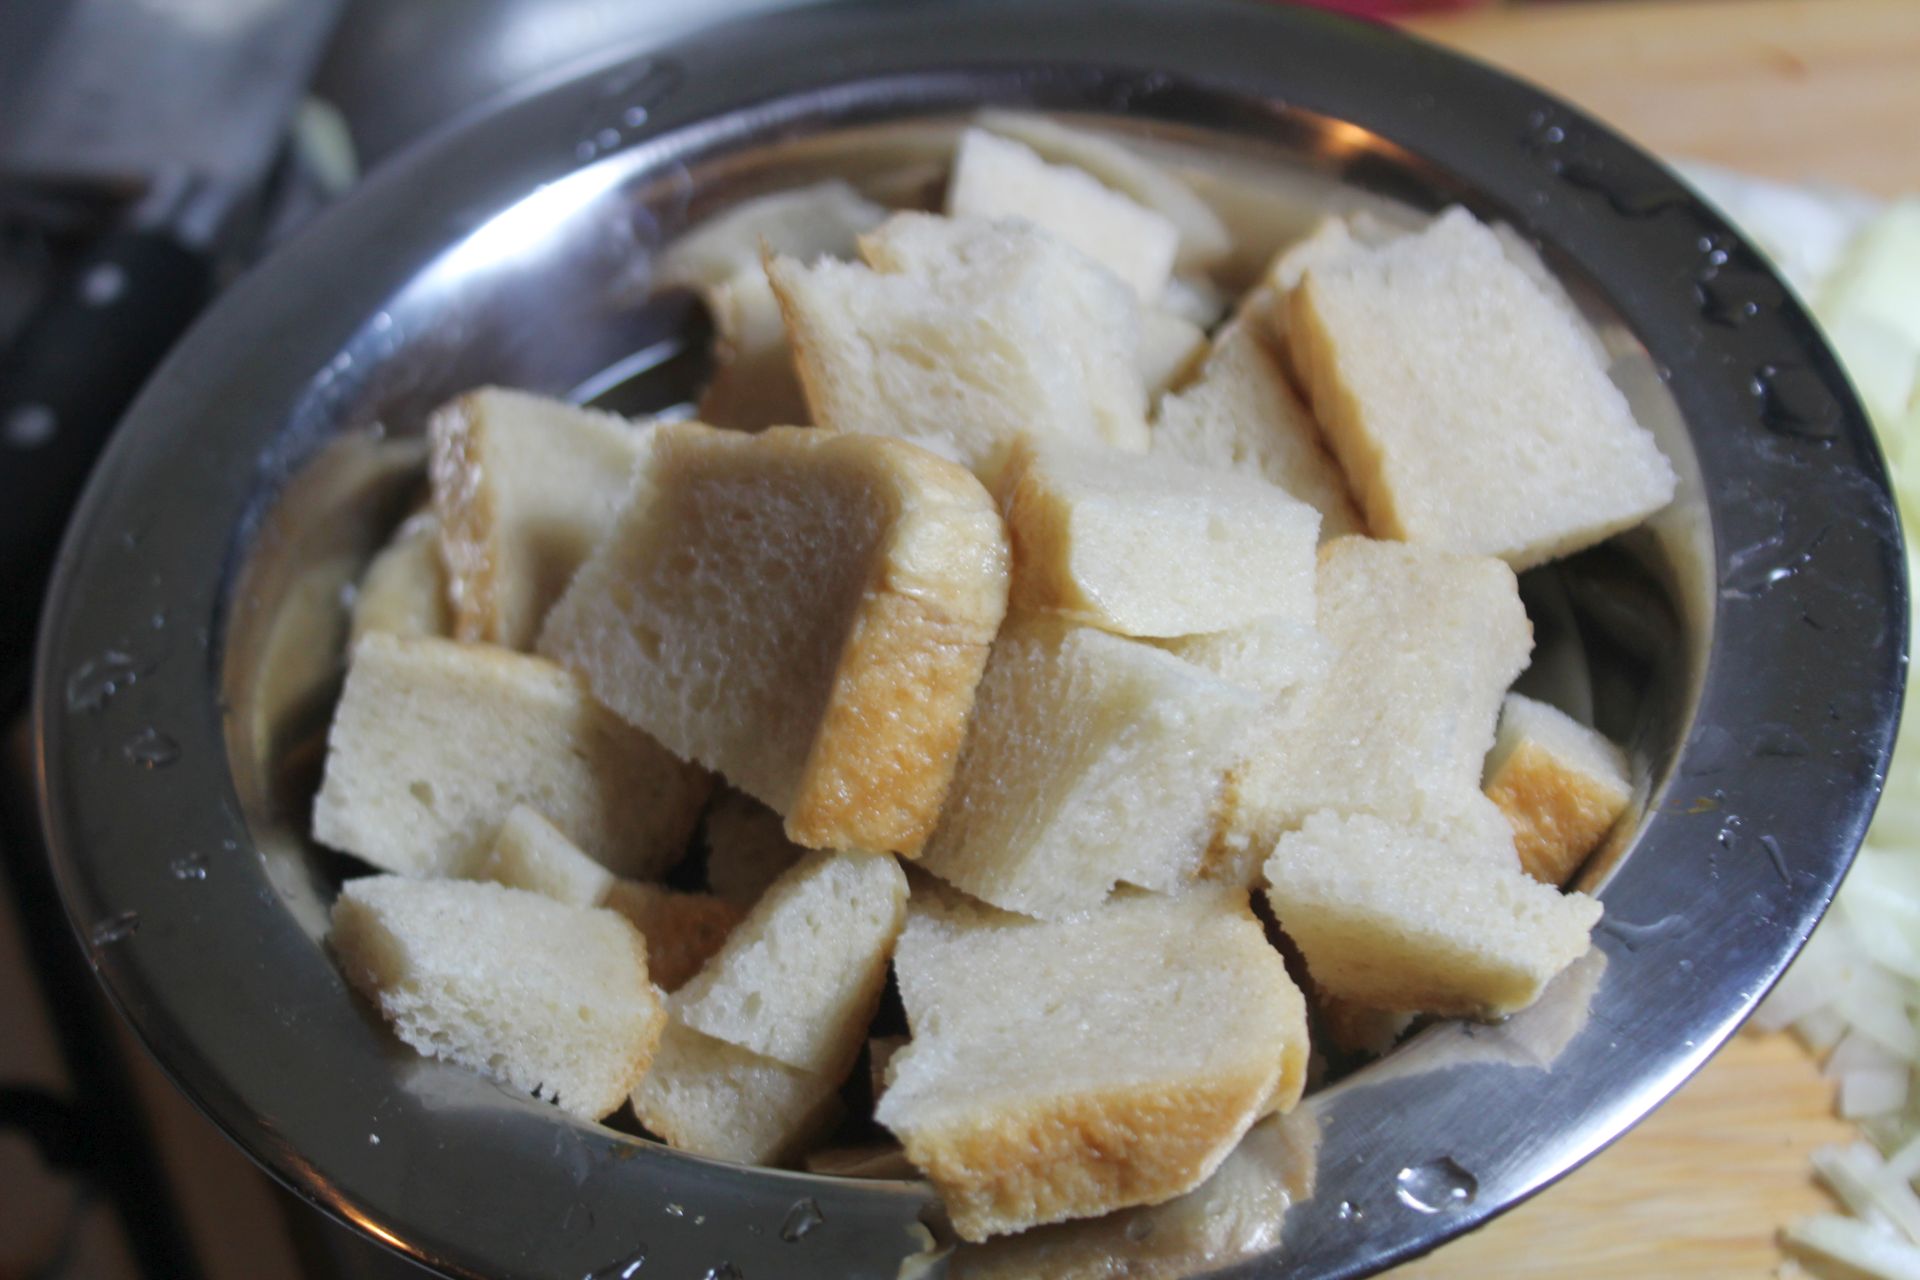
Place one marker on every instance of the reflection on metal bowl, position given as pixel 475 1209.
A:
pixel 275 451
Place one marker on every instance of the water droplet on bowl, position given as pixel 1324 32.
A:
pixel 148 748
pixel 676 1211
pixel 1795 401
pixel 1436 1186
pixel 114 929
pixel 801 1220
pixel 1348 1211
pixel 193 866
pixel 1732 298
pixel 1634 936
pixel 92 684
pixel 725 1271
pixel 1771 847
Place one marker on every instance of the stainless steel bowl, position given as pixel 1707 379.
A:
pixel 1749 644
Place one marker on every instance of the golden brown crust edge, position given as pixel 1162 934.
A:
pixel 464 502
pixel 1078 1157
pixel 1558 816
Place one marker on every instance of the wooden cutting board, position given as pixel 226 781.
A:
pixel 1799 90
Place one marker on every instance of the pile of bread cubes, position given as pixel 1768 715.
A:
pixel 1107 662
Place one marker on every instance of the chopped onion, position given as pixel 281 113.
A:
pixel 1868 1250
pixel 1861 1180
pixel 1872 1091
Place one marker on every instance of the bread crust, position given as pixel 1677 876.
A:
pixel 467 509
pixel 1086 1154
pixel 1559 815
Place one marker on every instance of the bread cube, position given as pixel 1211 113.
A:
pixel 798 980
pixel 1422 645
pixel 821 220
pixel 995 177
pixel 1151 547
pixel 1465 404
pixel 1241 415
pixel 1560 784
pixel 1064 1070
pixel 1091 761
pixel 683 930
pixel 1275 655
pixel 718 1100
pixel 747 848
pixel 523 488
pixel 806 612
pixel 754 384
pixel 963 336
pixel 545 998
pixel 1391 917
pixel 404 588
pixel 1171 349
pixel 1204 238
pixel 433 743
pixel 531 853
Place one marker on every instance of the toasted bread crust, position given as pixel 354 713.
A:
pixel 682 930
pixel 1559 815
pixel 1093 1153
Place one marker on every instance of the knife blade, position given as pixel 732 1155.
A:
pixel 176 107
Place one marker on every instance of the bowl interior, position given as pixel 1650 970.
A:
pixel 555 294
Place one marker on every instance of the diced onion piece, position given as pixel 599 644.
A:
pixel 1872 1091
pixel 1820 1030
pixel 1858 1176
pixel 1869 1250
pixel 1859 1052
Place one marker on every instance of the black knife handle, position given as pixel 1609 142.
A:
pixel 63 385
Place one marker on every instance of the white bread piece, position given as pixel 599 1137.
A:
pixel 1146 546
pixel 1171 350
pixel 754 383
pixel 531 853
pixel 1274 655
pixel 1523 254
pixel 1195 299
pixel 799 978
pixel 806 612
pixel 683 930
pixel 523 487
pixel 1394 918
pixel 1423 645
pixel 1465 405
pixel 719 1100
pixel 1091 761
pixel 747 848
pixel 1242 415
pixel 1204 239
pixel 963 336
pixel 404 588
pixel 1064 1070
pixel 1561 785
pixel 433 743
pixel 545 998
pixel 822 220
pixel 1235 1214
pixel 995 177
pixel 880 1051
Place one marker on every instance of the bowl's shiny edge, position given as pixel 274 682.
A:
pixel 1711 387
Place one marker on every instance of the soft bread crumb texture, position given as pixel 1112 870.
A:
pixel 754 384
pixel 1241 415
pixel 1172 348
pixel 996 177
pixel 683 930
pixel 1091 761
pixel 1204 239
pixel 1391 917
pixel 531 853
pixel 433 743
pixel 718 1100
pixel 798 980
pixel 1422 645
pixel 747 847
pixel 545 998
pixel 1465 403
pixel 964 335
pixel 1064 1070
pixel 1147 546
pixel 803 611
pixel 404 589
pixel 1561 784
pixel 523 487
